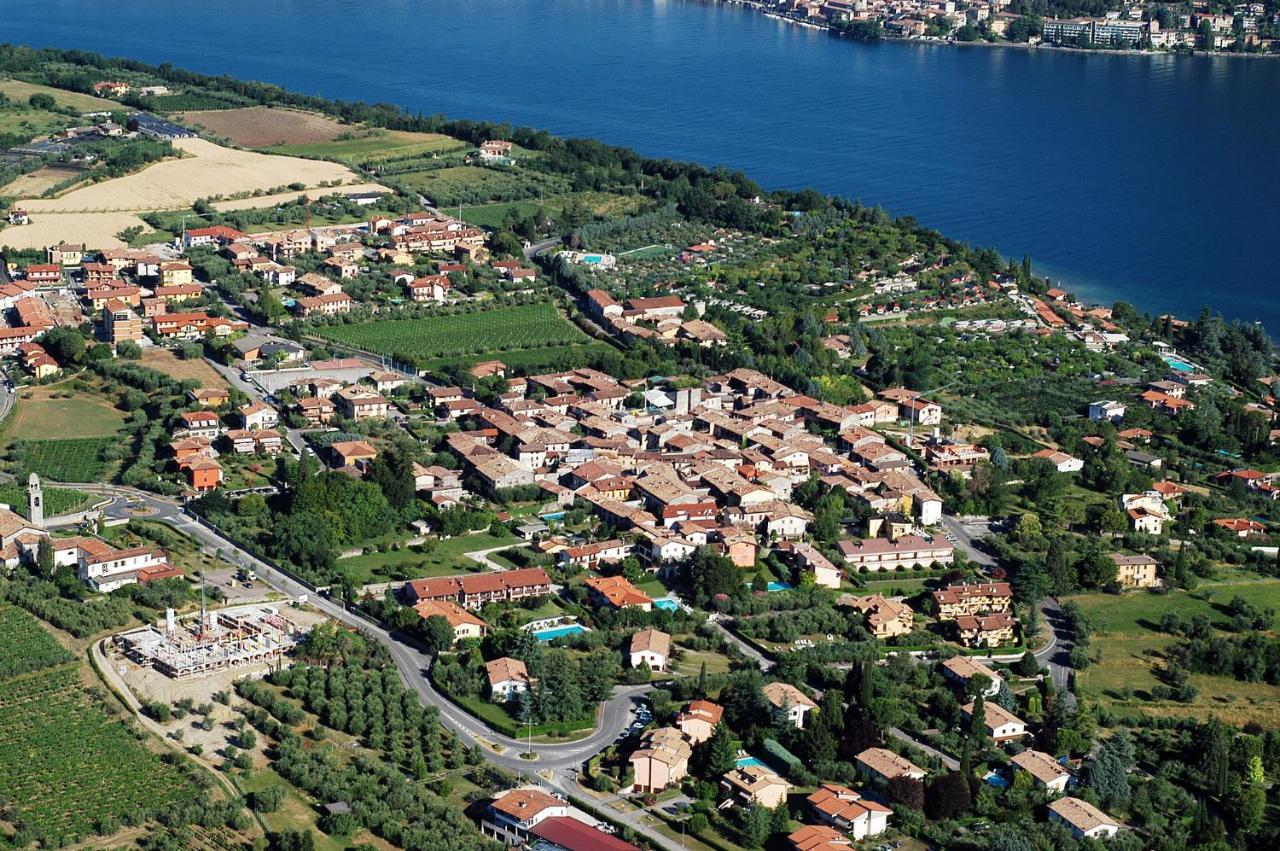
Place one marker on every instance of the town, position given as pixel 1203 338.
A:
pixel 392 514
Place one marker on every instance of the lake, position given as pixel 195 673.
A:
pixel 1148 178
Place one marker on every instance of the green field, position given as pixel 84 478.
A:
pixel 492 331
pixel 443 558
pixel 65 761
pixel 449 187
pixel 74 460
pixel 602 204
pixel 374 145
pixel 42 414
pixel 17 90
pixel 27 646
pixel 529 359
pixel 56 500
pixel 1124 630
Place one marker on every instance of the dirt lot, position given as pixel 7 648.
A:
pixel 171 365
pixel 285 197
pixel 36 182
pixel 205 171
pixel 262 126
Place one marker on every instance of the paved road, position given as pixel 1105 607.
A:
pixel 555 764
pixel 539 247
pixel 1056 654
pixel 761 660
pixel 482 556
pixel 903 736
pixel 966 541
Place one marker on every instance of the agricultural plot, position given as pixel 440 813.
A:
pixel 40 181
pixel 602 204
pixel 80 459
pixel 372 145
pixel 48 413
pixel 17 90
pixel 495 331
pixel 27 646
pixel 264 126
pixel 67 766
pixel 449 187
pixel 56 500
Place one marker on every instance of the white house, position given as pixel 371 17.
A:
pixel 507 678
pixel 848 812
pixel 1106 410
pixel 788 699
pixel 1083 819
pixel 1044 769
pixel 650 649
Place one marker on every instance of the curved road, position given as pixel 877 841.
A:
pixel 555 765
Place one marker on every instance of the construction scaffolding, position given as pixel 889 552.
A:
pixel 211 641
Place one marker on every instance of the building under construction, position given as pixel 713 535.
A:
pixel 213 641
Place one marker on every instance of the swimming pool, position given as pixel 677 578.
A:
pixel 749 760
pixel 592 259
pixel 779 586
pixel 996 780
pixel 556 515
pixel 1179 365
pixel 555 632
pixel 667 603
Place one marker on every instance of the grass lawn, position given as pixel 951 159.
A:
pixel 1125 632
pixel 604 204
pixel 895 586
pixel 295 811
pixel 504 722
pixel 444 558
pixel 41 415
pixel 25 122
pixel 690 662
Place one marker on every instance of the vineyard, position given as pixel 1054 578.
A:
pixel 490 331
pixel 27 646
pixel 76 460
pixel 56 500
pixel 67 768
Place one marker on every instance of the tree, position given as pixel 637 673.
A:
pixel 754 825
pixel 64 344
pixel 437 634
pixel 721 756
pixel 392 471
pixel 44 557
pixel 947 795
pixel 42 100
pixel 268 799
pixel 908 792
pixel 1216 756
pixel 1027 665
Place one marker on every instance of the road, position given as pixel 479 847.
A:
pixel 482 556
pixel 539 247
pixel 1056 655
pixel 555 765
pixel 966 536
pixel 903 736
pixel 761 660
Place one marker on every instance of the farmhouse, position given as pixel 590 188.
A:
pixel 650 649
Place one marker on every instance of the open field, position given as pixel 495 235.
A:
pixel 42 179
pixel 40 416
pixel 1125 632
pixel 95 229
pixel 264 126
pixel 492 331
pixel 372 144
pixel 602 204
pixel 163 360
pixel 66 760
pixel 28 123
pixel 259 201
pixel 472 184
pixel 205 170
pixel 18 90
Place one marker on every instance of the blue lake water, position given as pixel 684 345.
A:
pixel 1146 178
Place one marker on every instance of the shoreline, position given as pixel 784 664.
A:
pixel 1030 48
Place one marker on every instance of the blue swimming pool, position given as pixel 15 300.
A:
pixel 667 603
pixel 592 259
pixel 555 515
pixel 749 760
pixel 1179 365
pixel 996 780
pixel 552 633
pixel 780 586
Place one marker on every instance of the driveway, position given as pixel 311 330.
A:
pixel 966 535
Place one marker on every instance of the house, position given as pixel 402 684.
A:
pixel 43 274
pixel 662 760
pixel 650 648
pixel 1047 773
pixel 962 670
pixel 429 288
pixel 316 411
pixel 884 618
pixel 1002 725
pixel 199 424
pixel 357 404
pixel 885 765
pixel 104 568
pixel 258 415
pixel 699 721
pixel 991 630
pixel 1138 571
pixel 1106 411
pixel 324 305
pixel 463 622
pixel 19 539
pixel 755 784
pixel 352 453
pixel 1241 527
pixel 818 837
pixel 495 149
pixel 809 560
pixel 120 323
pixel 473 591
pixel 972 599
pixel 516 813
pixel 204 475
pixel 567 833
pixel 1061 461
pixel 617 592
pixel 507 678
pixel 877 554
pixel 176 273
pixel 788 700
pixel 847 811
pixel 1083 819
